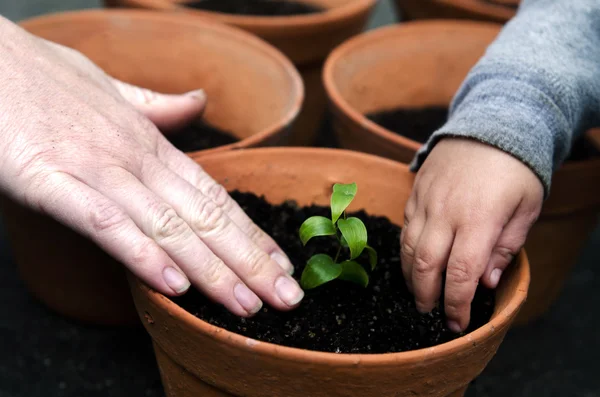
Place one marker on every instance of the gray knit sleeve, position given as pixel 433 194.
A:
pixel 536 88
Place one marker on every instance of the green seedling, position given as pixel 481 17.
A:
pixel 351 236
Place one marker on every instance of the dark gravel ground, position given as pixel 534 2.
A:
pixel 44 355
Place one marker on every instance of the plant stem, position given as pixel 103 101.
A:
pixel 338 254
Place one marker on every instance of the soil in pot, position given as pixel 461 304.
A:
pixel 200 136
pixel 256 7
pixel 418 124
pixel 339 316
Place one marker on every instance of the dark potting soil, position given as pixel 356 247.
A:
pixel 339 316
pixel 414 123
pixel 199 136
pixel 256 7
pixel 419 123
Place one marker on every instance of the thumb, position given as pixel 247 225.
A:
pixel 167 112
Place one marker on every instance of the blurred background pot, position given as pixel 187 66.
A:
pixel 306 39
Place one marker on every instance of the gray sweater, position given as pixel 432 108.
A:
pixel 536 89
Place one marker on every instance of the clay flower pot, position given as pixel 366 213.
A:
pixel 198 359
pixel 422 64
pixel 252 88
pixel 482 10
pixel 305 39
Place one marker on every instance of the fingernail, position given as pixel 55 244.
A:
pixel 454 327
pixel 247 298
pixel 495 277
pixel 198 94
pixel 288 290
pixel 283 262
pixel 175 280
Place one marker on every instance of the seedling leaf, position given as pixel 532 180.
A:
pixel 319 270
pixel 342 196
pixel 355 233
pixel 316 226
pixel 372 256
pixel 352 271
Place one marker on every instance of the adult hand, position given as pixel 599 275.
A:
pixel 85 149
pixel 469 214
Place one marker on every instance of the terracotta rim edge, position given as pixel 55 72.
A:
pixel 295 354
pixel 236 33
pixel 365 38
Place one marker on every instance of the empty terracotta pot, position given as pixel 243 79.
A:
pixel 199 359
pixel 252 88
pixel 421 64
pixel 482 10
pixel 305 39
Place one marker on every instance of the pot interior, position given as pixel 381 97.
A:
pixel 307 176
pixel 250 87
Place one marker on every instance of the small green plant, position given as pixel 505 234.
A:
pixel 350 234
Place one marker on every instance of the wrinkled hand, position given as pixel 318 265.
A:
pixel 85 149
pixel 468 215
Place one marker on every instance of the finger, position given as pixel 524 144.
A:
pixel 408 243
pixel 470 254
pixel 92 214
pixel 167 112
pixel 430 259
pixel 161 223
pixel 193 173
pixel 509 243
pixel 254 266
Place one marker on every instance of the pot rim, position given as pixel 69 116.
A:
pixel 261 46
pixel 250 22
pixel 365 39
pixel 221 335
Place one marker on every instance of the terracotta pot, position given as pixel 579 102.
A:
pixel 412 65
pixel 423 63
pixel 305 39
pixel 253 90
pixel 481 10
pixel 199 359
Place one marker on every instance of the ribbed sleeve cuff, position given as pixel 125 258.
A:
pixel 513 116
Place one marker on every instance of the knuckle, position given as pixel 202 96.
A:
pixel 218 194
pixel 256 234
pixel 256 263
pixel 460 271
pixel 142 253
pixel 424 265
pixel 212 271
pixel 506 253
pixel 105 216
pixel 209 217
pixel 167 224
pixel 453 308
pixel 408 248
